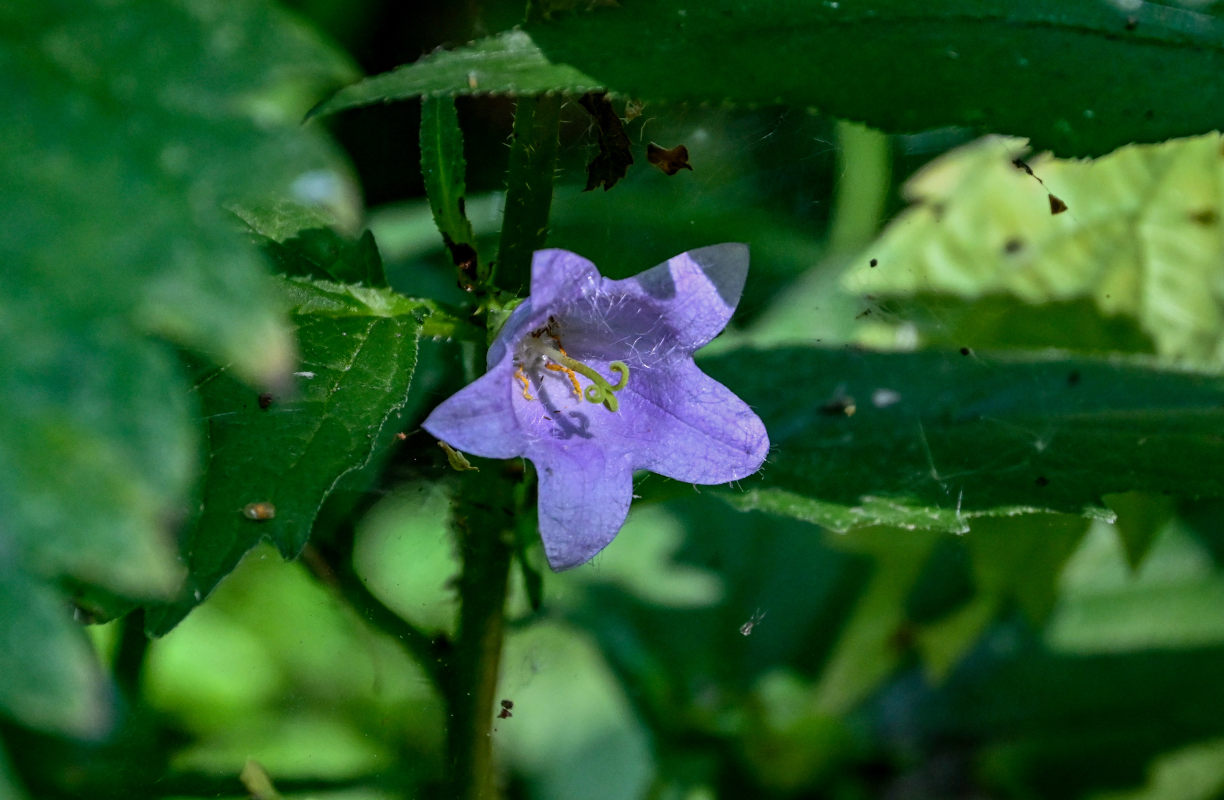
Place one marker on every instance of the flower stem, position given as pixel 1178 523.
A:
pixel 529 187
pixel 485 512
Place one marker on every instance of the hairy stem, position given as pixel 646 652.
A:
pixel 529 187
pixel 486 537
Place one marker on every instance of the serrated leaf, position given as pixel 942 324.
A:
pixel 1079 78
pixel 443 168
pixel 275 457
pixel 509 62
pixel 932 440
pixel 324 254
pixel 1141 237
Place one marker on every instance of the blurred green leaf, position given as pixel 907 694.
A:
pixel 51 678
pixel 876 635
pixel 127 127
pixel 1042 543
pixel 932 439
pixel 1140 238
pixel 1171 601
pixel 1141 516
pixel 275 457
pixel 1195 772
pixel 1058 725
pixel 8 783
pixel 1080 78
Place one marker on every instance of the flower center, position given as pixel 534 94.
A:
pixel 543 348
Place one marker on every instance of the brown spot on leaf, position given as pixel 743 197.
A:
pixel 265 400
pixel 633 109
pixel 259 512
pixel 873 263
pixel 1207 216
pixel 1013 245
pixel 670 161
pixel 614 158
pixel 1057 206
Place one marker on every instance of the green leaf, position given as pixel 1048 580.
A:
pixel 1170 601
pixel 127 128
pixel 1140 518
pixel 275 457
pixel 1042 543
pixel 1069 729
pixel 1194 772
pixel 443 168
pixel 324 254
pixel 1079 78
pixel 936 439
pixel 1140 238
pixel 508 63
pixel 49 675
pixel 9 787
pixel 311 242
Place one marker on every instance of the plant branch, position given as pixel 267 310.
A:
pixel 486 536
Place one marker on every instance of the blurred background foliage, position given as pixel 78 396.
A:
pixel 710 652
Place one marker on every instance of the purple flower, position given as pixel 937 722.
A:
pixel 593 378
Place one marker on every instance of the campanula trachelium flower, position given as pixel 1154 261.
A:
pixel 591 379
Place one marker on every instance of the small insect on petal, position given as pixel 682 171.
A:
pixel 457 460
pixel 260 511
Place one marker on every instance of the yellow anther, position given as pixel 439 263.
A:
pixel 570 374
pixel 523 380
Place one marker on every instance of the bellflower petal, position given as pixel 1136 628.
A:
pixel 703 433
pixel 478 418
pixel 699 289
pixel 591 379
pixel 584 499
